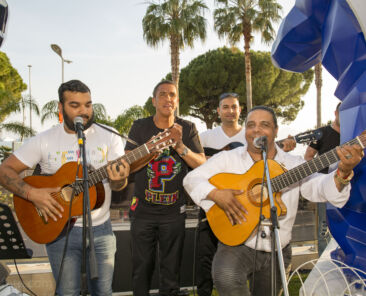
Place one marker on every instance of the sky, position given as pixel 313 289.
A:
pixel 104 41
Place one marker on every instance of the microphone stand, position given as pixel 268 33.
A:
pixel 275 234
pixel 87 221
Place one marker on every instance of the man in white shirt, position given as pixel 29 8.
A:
pixel 52 149
pixel 233 266
pixel 230 134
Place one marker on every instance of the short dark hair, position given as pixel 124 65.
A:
pixel 265 108
pixel 228 95
pixel 73 86
pixel 160 83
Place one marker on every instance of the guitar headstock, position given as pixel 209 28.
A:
pixel 162 140
pixel 308 137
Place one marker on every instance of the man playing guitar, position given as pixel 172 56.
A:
pixel 233 264
pixel 52 149
pixel 230 134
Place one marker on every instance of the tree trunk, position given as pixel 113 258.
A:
pixel 248 71
pixel 318 84
pixel 174 60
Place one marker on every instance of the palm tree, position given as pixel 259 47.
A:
pixel 50 111
pixel 31 104
pixel 179 21
pixel 318 84
pixel 18 128
pixel 241 18
pixel 125 120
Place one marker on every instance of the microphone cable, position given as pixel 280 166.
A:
pixel 21 279
pixel 116 133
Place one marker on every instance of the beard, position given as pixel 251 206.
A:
pixel 70 123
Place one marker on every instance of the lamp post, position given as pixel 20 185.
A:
pixel 30 98
pixel 57 49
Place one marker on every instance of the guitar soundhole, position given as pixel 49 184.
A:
pixel 66 193
pixel 255 194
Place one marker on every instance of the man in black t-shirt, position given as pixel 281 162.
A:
pixel 329 140
pixel 158 206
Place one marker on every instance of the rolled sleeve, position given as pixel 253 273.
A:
pixel 197 182
pixel 198 189
pixel 325 190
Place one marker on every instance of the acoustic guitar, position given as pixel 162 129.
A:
pixel 302 138
pixel 251 184
pixel 31 219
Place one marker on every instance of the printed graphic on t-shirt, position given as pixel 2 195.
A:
pixel 161 171
pixel 95 157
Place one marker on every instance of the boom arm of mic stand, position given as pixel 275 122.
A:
pixel 275 232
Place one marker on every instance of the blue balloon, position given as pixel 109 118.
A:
pixel 330 31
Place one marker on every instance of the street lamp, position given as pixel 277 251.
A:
pixel 30 98
pixel 57 49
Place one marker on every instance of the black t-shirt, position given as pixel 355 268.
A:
pixel 159 188
pixel 329 140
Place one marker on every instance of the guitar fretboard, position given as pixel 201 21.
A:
pixel 101 173
pixel 312 166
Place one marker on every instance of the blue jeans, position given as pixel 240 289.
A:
pixel 105 248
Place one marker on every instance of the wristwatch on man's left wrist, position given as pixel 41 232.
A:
pixel 184 152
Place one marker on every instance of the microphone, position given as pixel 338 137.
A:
pixel 79 123
pixel 79 127
pixel 260 142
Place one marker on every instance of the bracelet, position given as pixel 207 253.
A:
pixel 185 152
pixel 344 181
pixel 122 186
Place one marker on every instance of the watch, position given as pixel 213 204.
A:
pixel 184 153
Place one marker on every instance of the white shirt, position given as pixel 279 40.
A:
pixel 55 147
pixel 217 139
pixel 317 187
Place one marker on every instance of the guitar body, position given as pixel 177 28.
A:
pixel 33 224
pixel 250 184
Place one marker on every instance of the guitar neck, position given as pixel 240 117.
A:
pixel 130 157
pixel 310 167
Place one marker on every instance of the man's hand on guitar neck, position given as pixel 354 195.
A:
pixel 45 201
pixel 288 144
pixel 117 174
pixel 227 201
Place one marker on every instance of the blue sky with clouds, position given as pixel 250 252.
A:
pixel 104 41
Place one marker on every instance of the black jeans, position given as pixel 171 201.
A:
pixel 234 266
pixel 145 236
pixel 207 246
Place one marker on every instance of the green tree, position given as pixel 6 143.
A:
pixel 235 19
pixel 124 121
pixel 179 21
pixel 221 70
pixel 11 87
pixel 5 151
pixel 50 112
pixel 19 128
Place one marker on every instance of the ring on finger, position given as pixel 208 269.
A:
pixel 348 156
